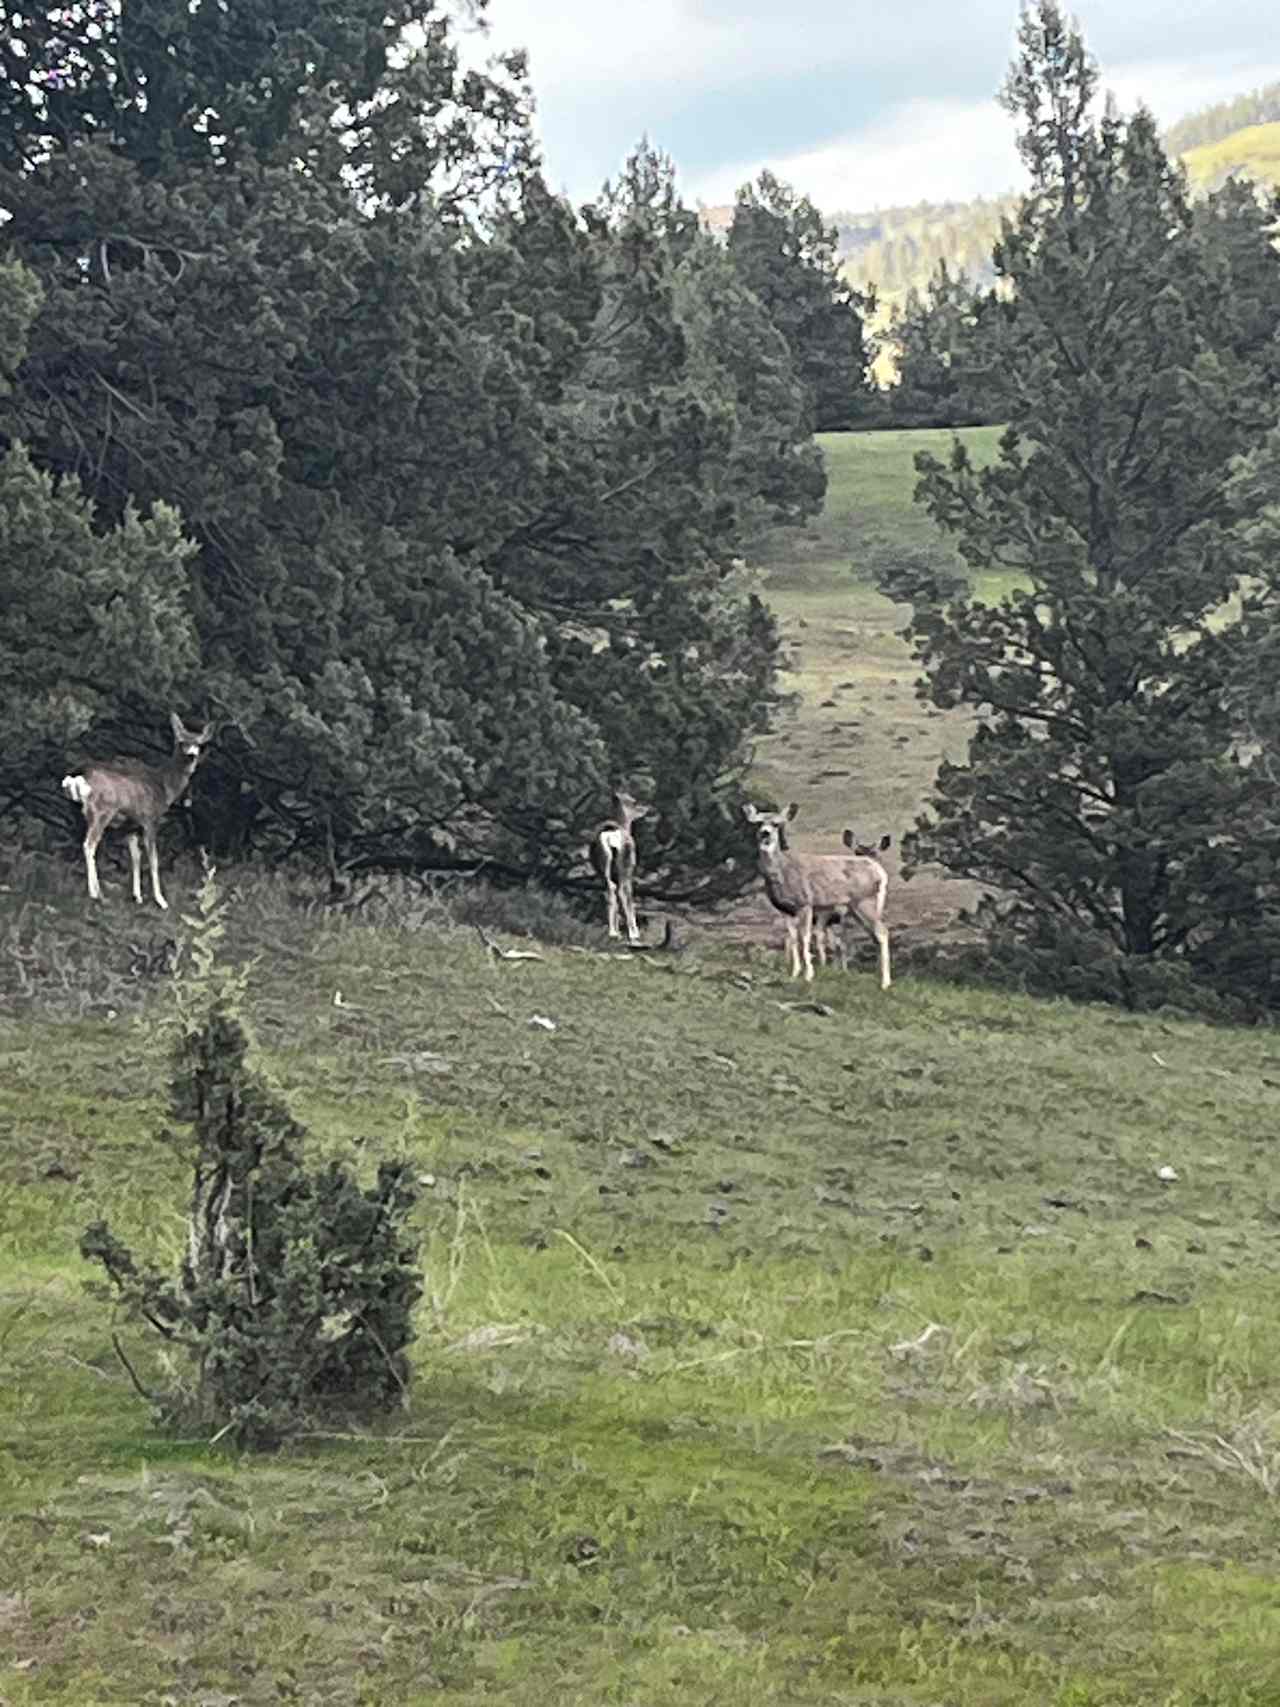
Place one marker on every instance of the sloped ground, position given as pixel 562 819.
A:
pixel 769 1354
pixel 857 747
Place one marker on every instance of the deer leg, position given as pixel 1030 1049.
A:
pixel 92 836
pixel 629 912
pixel 790 949
pixel 153 858
pixel 882 942
pixel 806 942
pixel 135 861
pixel 878 931
pixel 626 870
pixel 839 947
pixel 611 898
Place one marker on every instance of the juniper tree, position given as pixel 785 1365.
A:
pixel 293 1301
pixel 1096 789
pixel 787 256
pixel 88 615
pixel 670 439
pixel 318 299
pixel 941 353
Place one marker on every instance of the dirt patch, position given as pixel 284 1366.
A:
pixel 926 909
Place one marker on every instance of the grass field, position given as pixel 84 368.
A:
pixel 859 1357
pixel 857 747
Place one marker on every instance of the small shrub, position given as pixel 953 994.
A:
pixel 293 1303
pixel 530 910
pixel 1036 957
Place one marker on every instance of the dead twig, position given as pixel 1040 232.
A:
pixel 498 953
pixel 818 1344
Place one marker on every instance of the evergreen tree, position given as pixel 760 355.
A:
pixel 172 87
pixel 88 616
pixel 467 472
pixel 1096 790
pixel 293 1301
pixel 788 257
pixel 941 353
pixel 671 439
pixel 1237 223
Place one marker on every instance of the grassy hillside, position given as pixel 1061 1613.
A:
pixel 768 1355
pixel 1222 118
pixel 858 748
pixel 1250 153
pixel 916 1348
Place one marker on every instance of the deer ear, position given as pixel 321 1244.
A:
pixel 885 842
pixel 176 724
pixel 750 812
pixel 850 840
pixel 792 810
pixel 206 734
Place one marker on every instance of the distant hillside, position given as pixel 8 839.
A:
pixel 1212 124
pixel 1250 153
pixel 897 247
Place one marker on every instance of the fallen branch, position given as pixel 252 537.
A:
pixel 817 1344
pixel 139 1389
pixel 498 953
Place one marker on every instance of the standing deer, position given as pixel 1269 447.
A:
pixel 830 940
pixel 613 856
pixel 818 890
pixel 137 795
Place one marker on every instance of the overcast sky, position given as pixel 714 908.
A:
pixel 858 103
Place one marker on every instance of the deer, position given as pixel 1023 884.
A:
pixel 820 889
pixel 136 795
pixel 613 857
pixel 830 938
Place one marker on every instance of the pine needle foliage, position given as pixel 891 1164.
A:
pixel 1108 800
pixel 293 1303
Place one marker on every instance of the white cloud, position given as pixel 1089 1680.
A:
pixel 592 45
pixel 856 103
pixel 925 151
pixel 938 150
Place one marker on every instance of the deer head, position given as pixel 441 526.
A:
pixel 628 808
pixel 868 850
pixel 188 742
pixel 771 827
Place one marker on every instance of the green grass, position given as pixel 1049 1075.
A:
pixel 858 1358
pixel 680 1431
pixel 857 747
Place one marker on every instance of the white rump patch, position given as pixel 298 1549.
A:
pixel 76 788
pixel 611 840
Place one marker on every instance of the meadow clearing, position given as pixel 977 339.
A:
pixel 856 747
pixel 921 1351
